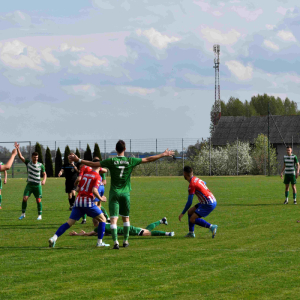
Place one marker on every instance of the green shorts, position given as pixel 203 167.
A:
pixel 0 184
pixel 134 230
pixel 289 179
pixel 119 204
pixel 36 190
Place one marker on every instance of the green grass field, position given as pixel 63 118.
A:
pixel 255 254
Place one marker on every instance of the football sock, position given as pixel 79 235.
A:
pixel 105 213
pixel 153 225
pixel 294 196
pixel 287 194
pixel 72 201
pixel 191 225
pixel 202 223
pixel 39 206
pixel 114 233
pixel 61 230
pixel 84 217
pixel 126 227
pixel 24 206
pixel 101 230
pixel 0 199
pixel 158 233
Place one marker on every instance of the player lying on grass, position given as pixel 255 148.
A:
pixel 85 204
pixel 206 205
pixel 133 231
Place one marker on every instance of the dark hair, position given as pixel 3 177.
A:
pixel 34 154
pixel 188 170
pixel 288 146
pixel 120 146
pixel 96 159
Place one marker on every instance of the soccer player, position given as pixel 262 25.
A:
pixel 206 205
pixel 71 172
pixel 34 183
pixel 4 181
pixel 85 204
pixel 133 231
pixel 119 195
pixel 290 175
pixel 4 168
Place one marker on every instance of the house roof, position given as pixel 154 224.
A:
pixel 248 128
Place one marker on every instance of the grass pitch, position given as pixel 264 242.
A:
pixel 255 254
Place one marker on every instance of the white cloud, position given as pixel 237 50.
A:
pixel 217 13
pixel 87 92
pixel 204 6
pixel 17 17
pixel 286 36
pixel 216 36
pixel 90 61
pixel 239 70
pixel 139 90
pixel 247 14
pixel 66 47
pixel 157 39
pixel 271 45
pixel 270 27
pixel 282 10
pixel 49 57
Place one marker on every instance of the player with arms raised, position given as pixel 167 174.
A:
pixel 85 204
pixel 206 205
pixel 4 181
pixel 119 195
pixel 34 170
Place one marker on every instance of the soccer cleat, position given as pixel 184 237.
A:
pixel 286 202
pixel 51 243
pixel 83 222
pixel 22 217
pixel 102 245
pixel 172 233
pixel 190 235
pixel 295 202
pixel 213 229
pixel 116 246
pixel 164 221
pixel 39 217
pixel 125 245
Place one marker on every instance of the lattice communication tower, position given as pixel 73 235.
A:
pixel 217 105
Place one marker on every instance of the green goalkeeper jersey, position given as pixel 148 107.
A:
pixel 34 172
pixel 1 163
pixel 120 168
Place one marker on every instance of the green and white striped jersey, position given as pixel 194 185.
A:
pixel 1 163
pixel 290 162
pixel 34 171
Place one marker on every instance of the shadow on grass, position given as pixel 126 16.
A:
pixel 256 204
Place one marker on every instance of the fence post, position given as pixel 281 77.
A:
pixel 237 156
pixel 209 156
pixel 157 160
pixel 30 149
pixel 55 151
pixel 130 147
pixel 292 143
pixel 265 156
pixel 182 156
pixel 104 149
pixel 80 148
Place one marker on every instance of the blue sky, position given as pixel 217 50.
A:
pixel 138 69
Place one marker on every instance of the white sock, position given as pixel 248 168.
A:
pixel 55 237
pixel 23 214
pixel 161 221
pixel 167 233
pixel 116 242
pixel 99 241
pixel 191 231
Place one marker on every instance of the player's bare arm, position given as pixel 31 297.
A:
pixel 8 165
pixel 158 156
pixel 5 177
pixel 60 172
pixel 17 146
pixel 298 169
pixel 44 178
pixel 97 195
pixel 103 170
pixel 74 157
pixel 281 173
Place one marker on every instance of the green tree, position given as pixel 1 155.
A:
pixel 48 163
pixel 38 149
pixel 58 162
pixel 97 152
pixel 235 107
pixel 88 153
pixel 77 153
pixel 66 154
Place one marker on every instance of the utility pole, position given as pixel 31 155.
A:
pixel 217 105
pixel 269 171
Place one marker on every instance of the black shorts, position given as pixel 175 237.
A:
pixel 70 186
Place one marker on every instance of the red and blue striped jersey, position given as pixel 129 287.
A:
pixel 199 188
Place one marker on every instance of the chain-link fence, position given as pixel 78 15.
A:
pixel 238 158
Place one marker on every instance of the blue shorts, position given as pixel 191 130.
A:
pixel 78 212
pixel 100 191
pixel 203 210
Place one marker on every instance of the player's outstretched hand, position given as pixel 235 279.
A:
pixel 73 157
pixel 14 152
pixel 43 182
pixel 17 146
pixel 73 233
pixel 169 153
pixel 4 181
pixel 103 199
pixel 180 217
